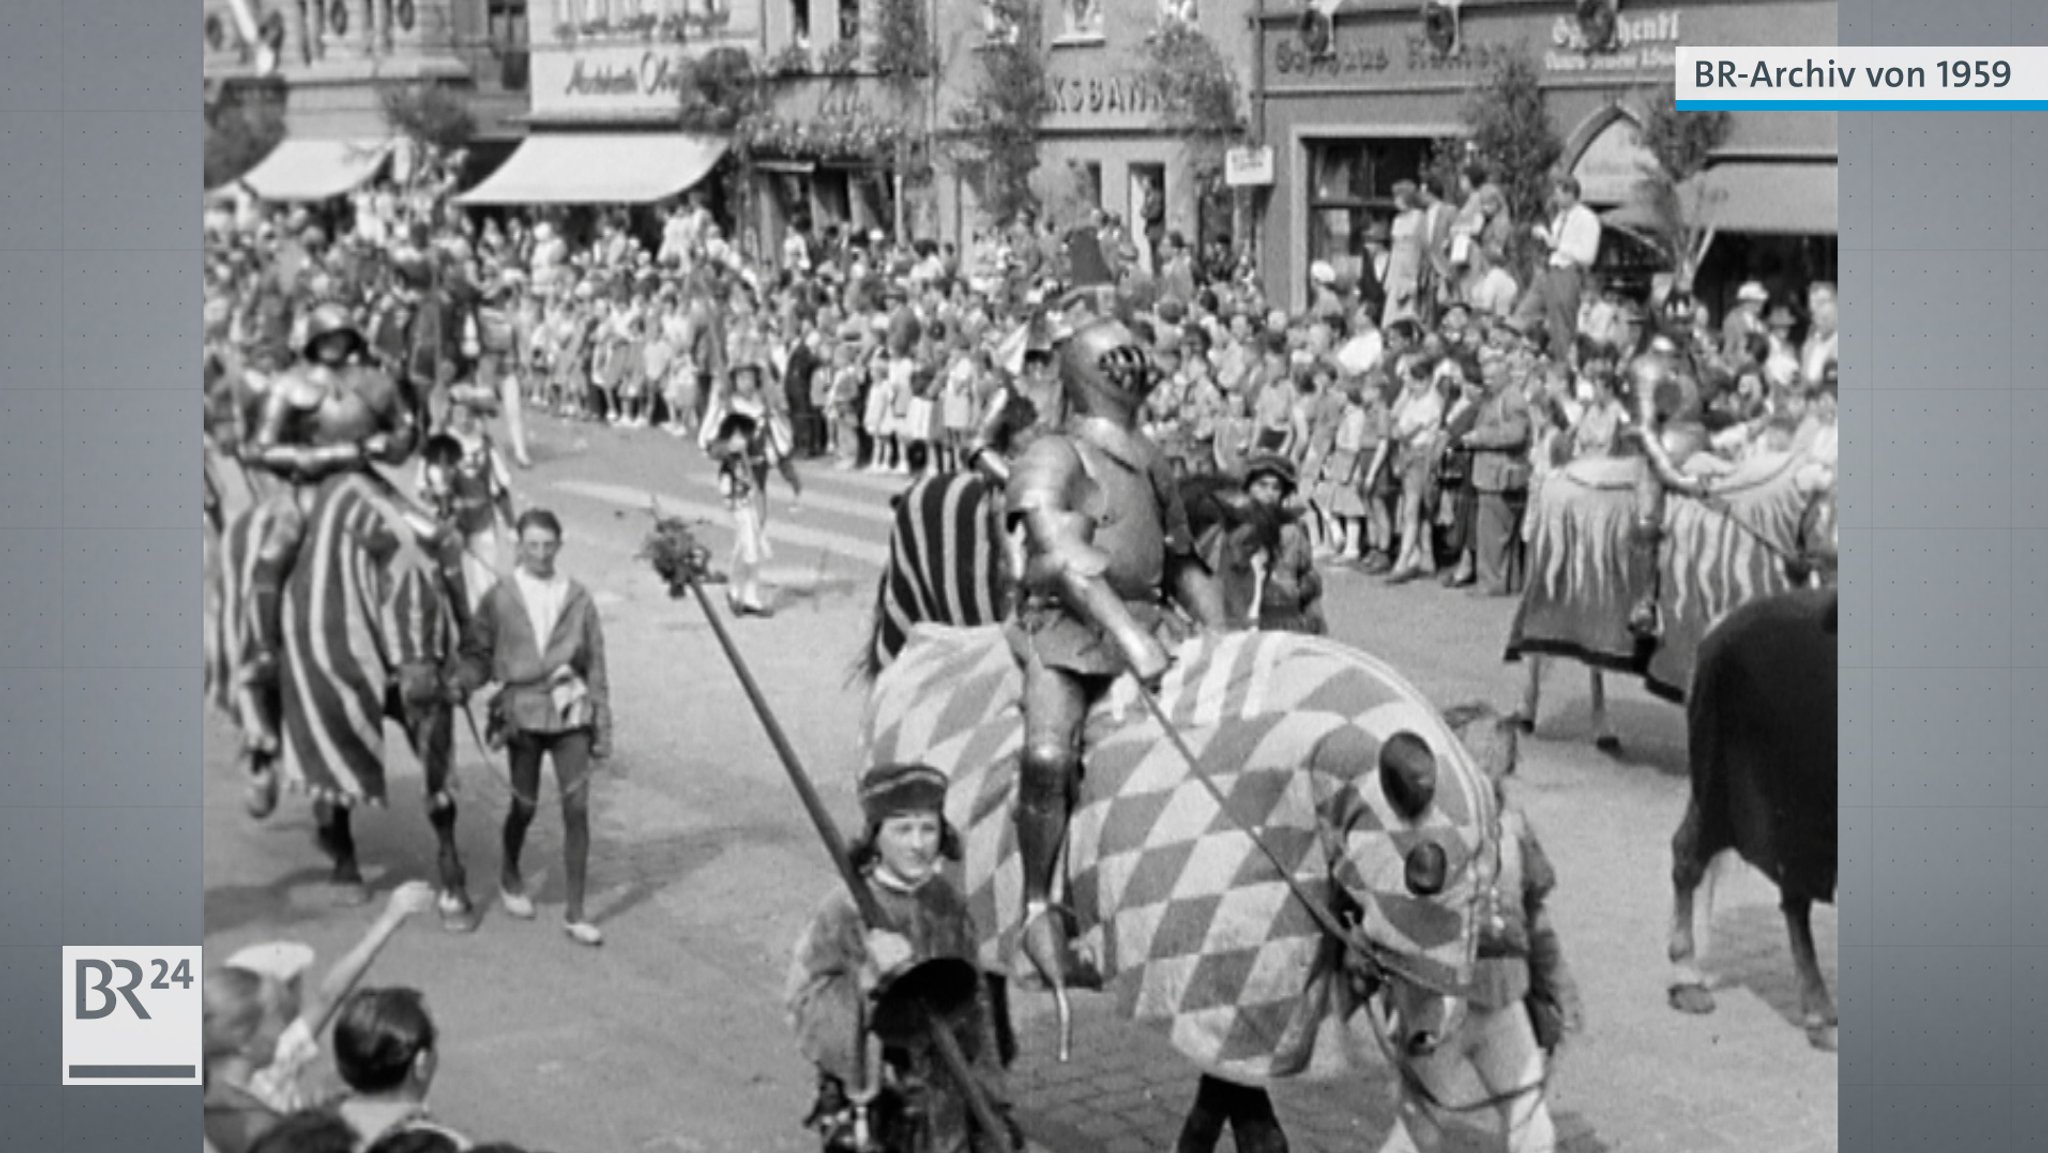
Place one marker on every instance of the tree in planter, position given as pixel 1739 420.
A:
pixel 1511 133
pixel 1682 143
pixel 1000 121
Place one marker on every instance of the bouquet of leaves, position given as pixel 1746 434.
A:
pixel 678 557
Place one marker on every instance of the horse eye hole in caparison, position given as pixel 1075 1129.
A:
pixel 1427 869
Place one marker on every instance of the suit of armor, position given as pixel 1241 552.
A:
pixel 328 415
pixel 1669 430
pixel 1106 543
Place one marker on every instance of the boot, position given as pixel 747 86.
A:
pixel 1644 619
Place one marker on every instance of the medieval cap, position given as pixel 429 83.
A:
pixel 892 790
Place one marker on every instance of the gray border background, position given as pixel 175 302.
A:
pixel 1944 898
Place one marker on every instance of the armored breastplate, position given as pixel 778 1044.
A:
pixel 1129 529
pixel 338 410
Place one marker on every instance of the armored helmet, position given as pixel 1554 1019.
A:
pixel 1105 371
pixel 332 320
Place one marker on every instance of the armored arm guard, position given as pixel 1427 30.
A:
pixel 984 451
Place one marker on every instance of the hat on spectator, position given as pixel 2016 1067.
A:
pixel 1273 465
pixel 1322 273
pixel 281 961
pixel 1752 293
pixel 1781 317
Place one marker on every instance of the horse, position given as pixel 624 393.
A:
pixel 1755 536
pixel 368 624
pixel 1360 834
pixel 1761 735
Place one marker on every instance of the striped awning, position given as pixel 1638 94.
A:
pixel 306 170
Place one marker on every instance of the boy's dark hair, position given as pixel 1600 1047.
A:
pixel 307 1131
pixel 442 451
pixel 378 1035
pixel 538 518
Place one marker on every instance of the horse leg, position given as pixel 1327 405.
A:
pixel 1688 989
pixel 1816 1007
pixel 1204 1124
pixel 1252 1121
pixel 998 989
pixel 1603 733
pixel 335 836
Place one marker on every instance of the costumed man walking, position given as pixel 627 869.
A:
pixel 537 636
pixel 1668 430
pixel 331 414
pixel 1107 544
pixel 849 985
pixel 464 481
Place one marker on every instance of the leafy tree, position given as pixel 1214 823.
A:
pixel 1682 143
pixel 433 117
pixel 1196 87
pixel 1000 120
pixel 1511 133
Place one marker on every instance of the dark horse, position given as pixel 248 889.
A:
pixel 369 622
pixel 1760 727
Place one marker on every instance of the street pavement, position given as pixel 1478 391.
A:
pixel 670 1037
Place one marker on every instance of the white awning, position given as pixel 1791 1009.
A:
pixel 598 168
pixel 1796 199
pixel 301 169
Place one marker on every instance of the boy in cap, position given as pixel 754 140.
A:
pixel 1290 591
pixel 873 1072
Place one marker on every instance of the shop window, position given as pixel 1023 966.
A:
pixel 508 34
pixel 1351 186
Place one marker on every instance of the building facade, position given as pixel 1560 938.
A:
pixel 1349 116
pixel 334 58
pixel 1105 139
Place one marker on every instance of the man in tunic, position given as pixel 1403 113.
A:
pixel 1106 545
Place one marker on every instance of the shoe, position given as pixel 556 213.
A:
pixel 1401 576
pixel 1376 564
pixel 517 904
pixel 583 933
pixel 762 611
pixel 1456 580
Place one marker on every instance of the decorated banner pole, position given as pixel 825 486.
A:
pixel 682 561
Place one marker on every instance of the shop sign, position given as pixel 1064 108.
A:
pixel 1102 97
pixel 1361 52
pixel 1248 167
pixel 1646 43
pixel 624 80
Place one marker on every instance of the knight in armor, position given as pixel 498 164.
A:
pixel 1668 430
pixel 1107 547
pixel 330 414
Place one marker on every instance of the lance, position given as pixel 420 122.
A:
pixel 943 1041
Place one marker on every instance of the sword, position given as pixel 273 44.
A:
pixel 947 1047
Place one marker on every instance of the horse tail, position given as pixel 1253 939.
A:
pixel 944 565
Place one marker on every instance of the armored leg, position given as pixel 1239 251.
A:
pixel 1645 537
pixel 274 555
pixel 1055 704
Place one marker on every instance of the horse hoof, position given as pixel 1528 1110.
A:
pixel 458 915
pixel 350 894
pixel 1609 744
pixel 1822 1036
pixel 259 800
pixel 1692 999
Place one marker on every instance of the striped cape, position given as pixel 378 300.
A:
pixel 1578 595
pixel 1196 931
pixel 945 562
pixel 362 600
